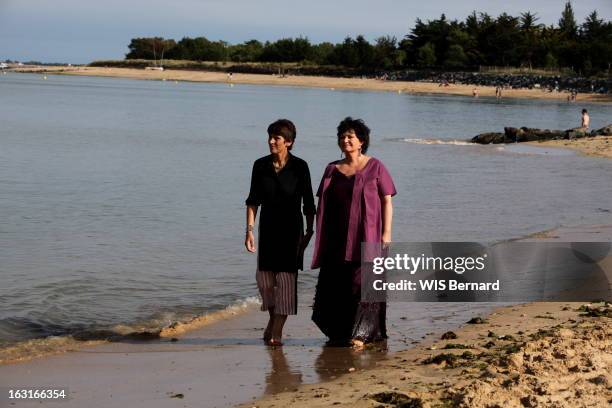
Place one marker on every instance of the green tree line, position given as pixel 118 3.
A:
pixel 509 41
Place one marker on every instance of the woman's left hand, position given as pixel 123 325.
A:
pixel 386 239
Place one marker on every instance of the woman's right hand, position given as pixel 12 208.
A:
pixel 249 241
pixel 305 240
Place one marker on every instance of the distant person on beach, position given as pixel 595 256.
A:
pixel 280 184
pixel 475 93
pixel 586 120
pixel 343 223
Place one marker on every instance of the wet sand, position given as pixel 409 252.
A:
pixel 330 83
pixel 524 355
pixel 598 146
pixel 541 354
pixel 222 364
pixel 225 363
pixel 545 351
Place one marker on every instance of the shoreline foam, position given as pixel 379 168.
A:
pixel 26 350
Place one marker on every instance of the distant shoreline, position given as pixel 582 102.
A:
pixel 330 83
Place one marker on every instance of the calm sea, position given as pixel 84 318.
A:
pixel 122 201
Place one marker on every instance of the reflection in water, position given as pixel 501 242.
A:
pixel 331 363
pixel 334 361
pixel 281 377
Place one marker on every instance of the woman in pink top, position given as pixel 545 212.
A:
pixel 354 207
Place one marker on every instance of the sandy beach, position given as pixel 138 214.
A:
pixel 310 81
pixel 553 354
pixel 538 354
pixel 541 354
pixel 221 364
pixel 598 146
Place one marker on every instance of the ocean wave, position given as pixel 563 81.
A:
pixel 164 325
pixel 453 142
pixel 230 311
pixel 511 148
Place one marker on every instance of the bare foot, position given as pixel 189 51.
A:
pixel 274 343
pixel 357 344
pixel 267 333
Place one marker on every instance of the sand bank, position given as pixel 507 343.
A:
pixel 598 146
pixel 542 354
pixel 311 81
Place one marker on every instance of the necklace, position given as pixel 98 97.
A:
pixel 279 166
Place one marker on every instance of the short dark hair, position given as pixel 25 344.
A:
pixel 360 129
pixel 284 128
pixel 584 111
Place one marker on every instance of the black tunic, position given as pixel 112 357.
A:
pixel 281 225
pixel 336 217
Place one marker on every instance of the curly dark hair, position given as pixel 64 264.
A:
pixel 284 128
pixel 360 129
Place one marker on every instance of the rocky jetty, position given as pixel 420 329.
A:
pixel 513 81
pixel 525 134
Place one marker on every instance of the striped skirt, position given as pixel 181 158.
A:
pixel 278 290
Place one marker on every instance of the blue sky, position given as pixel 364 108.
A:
pixel 80 31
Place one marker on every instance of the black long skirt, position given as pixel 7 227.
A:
pixel 338 310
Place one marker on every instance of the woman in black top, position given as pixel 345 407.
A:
pixel 280 183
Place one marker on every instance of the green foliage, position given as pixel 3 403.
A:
pixel 321 52
pixel 247 51
pixel 149 48
pixel 567 22
pixel 287 50
pixel 480 39
pixel 200 49
pixel 345 54
pixel 456 57
pixel 386 54
pixel 426 57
